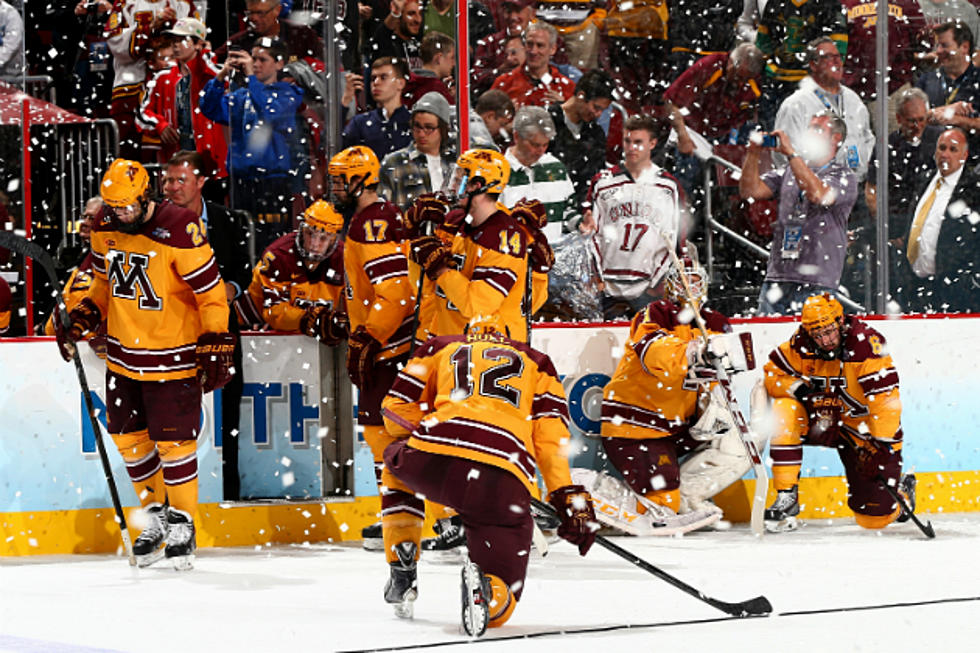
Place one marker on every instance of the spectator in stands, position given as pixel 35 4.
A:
pixel 579 26
pixel 261 116
pixel 938 12
pixel 579 142
pixel 384 129
pixel 537 82
pixel 942 241
pixel 183 183
pixel 536 174
pixel 397 37
pixel 911 158
pixel 426 162
pixel 262 21
pixel 700 28
pixel 170 110
pixel 440 16
pixel 953 89
pixel 491 54
pixel 816 193
pixel 438 54
pixel 496 110
pixel 11 41
pixel 128 34
pixel 785 28
pixel 159 58
pixel 79 34
pixel 637 33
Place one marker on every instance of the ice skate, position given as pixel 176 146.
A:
pixel 449 535
pixel 781 515
pixel 150 545
pixel 402 587
pixel 476 596
pixel 906 487
pixel 181 540
pixel 371 537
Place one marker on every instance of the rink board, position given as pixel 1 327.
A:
pixel 53 496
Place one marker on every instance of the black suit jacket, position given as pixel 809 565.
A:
pixel 228 237
pixel 955 287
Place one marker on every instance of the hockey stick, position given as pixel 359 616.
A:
pixel 759 606
pixel 24 247
pixel 926 528
pixel 724 382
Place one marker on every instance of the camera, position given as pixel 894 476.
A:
pixel 770 141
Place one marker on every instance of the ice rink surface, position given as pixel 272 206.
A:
pixel 833 586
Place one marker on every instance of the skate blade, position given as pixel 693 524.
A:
pixel 148 559
pixel 447 557
pixel 183 563
pixel 783 526
pixel 406 609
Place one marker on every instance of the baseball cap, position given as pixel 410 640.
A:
pixel 189 27
pixel 433 102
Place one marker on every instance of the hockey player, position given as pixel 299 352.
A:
pixel 380 305
pixel 296 287
pixel 476 416
pixel 660 406
pixel 157 285
pixel 833 384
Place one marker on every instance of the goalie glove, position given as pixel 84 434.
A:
pixel 362 347
pixel 431 254
pixel 327 326
pixel 215 363
pixel 716 420
pixel 427 207
pixel 578 522
pixel 85 317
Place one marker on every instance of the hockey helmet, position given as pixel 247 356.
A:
pixel 697 281
pixel 319 218
pixel 485 325
pixel 490 166
pixel 820 311
pixel 124 183
pixel 356 161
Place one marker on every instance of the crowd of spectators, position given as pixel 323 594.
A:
pixel 552 86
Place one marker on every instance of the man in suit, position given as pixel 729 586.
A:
pixel 942 241
pixel 182 184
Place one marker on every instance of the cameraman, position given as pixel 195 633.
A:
pixel 816 193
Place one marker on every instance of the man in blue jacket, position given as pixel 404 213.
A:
pixel 261 111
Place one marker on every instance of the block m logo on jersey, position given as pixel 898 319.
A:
pixel 127 271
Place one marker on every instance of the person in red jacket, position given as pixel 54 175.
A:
pixel 169 108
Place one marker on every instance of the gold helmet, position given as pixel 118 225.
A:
pixel 321 217
pixel 356 161
pixel 124 183
pixel 490 166
pixel 485 325
pixel 820 311
pixel 697 281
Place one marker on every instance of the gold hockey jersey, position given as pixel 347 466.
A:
pixel 651 394
pixel 380 295
pixel 487 398
pixel 283 287
pixel 862 386
pixel 158 289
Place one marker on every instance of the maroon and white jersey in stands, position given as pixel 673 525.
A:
pixel 632 218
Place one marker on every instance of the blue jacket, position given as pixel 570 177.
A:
pixel 381 135
pixel 262 118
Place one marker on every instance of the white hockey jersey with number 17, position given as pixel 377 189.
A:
pixel 633 217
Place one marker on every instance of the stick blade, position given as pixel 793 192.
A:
pixel 757 607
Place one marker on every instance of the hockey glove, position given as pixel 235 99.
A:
pixel 431 254
pixel 454 220
pixel 327 326
pixel 215 365
pixel 530 213
pixel 86 316
pixel 541 257
pixel 872 459
pixel 427 207
pixel 361 350
pixel 578 522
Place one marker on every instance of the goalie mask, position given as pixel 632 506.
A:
pixel 318 232
pixel 697 281
pixel 125 194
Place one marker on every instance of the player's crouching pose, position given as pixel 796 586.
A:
pixel 833 384
pixel 661 405
pixel 157 285
pixel 477 415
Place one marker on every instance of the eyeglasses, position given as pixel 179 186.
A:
pixel 425 129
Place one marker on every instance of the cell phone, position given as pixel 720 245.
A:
pixel 770 140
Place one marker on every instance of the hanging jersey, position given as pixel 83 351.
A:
pixel 862 385
pixel 158 289
pixel 651 394
pixel 487 398
pixel 489 279
pixel 379 293
pixel 633 217
pixel 283 287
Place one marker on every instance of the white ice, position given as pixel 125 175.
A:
pixel 328 597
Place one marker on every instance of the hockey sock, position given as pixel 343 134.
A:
pixel 180 473
pixel 143 465
pixel 400 526
pixel 875 522
pixel 378 439
pixel 502 603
